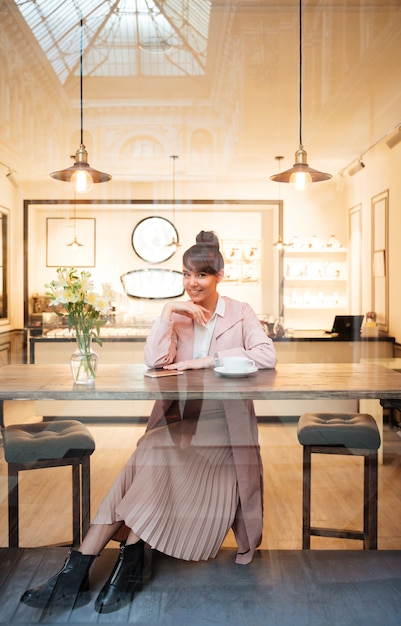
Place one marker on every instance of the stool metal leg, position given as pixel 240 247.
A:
pixel 370 498
pixel 13 513
pixel 85 494
pixel 370 502
pixel 306 497
pixel 76 505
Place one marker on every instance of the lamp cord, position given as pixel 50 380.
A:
pixel 75 217
pixel 300 73
pixel 81 82
pixel 174 157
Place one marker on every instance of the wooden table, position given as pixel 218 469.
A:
pixel 127 382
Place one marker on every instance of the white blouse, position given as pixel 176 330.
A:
pixel 203 334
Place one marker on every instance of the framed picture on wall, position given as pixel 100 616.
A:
pixel 70 242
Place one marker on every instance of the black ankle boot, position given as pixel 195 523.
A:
pixel 124 580
pixel 65 586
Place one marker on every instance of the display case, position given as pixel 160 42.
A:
pixel 315 286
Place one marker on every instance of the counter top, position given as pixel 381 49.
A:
pixel 321 335
pixel 137 333
pixel 106 332
pixel 127 382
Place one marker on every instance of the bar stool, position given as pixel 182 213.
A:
pixel 393 409
pixel 341 433
pixel 44 445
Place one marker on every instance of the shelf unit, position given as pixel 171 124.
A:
pixel 315 286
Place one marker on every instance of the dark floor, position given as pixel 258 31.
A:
pixel 286 588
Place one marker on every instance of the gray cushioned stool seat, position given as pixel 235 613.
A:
pixel 343 434
pixel 44 445
pixel 352 430
pixel 29 443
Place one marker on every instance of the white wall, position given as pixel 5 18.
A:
pixel 115 255
pixel 382 171
pixel 322 211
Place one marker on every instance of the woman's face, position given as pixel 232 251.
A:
pixel 201 287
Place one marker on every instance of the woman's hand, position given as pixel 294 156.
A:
pixel 195 311
pixel 192 364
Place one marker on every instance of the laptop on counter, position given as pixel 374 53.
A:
pixel 347 326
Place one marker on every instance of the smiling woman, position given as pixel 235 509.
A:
pixel 197 470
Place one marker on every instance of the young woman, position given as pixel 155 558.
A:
pixel 197 470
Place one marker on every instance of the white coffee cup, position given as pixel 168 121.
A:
pixel 237 364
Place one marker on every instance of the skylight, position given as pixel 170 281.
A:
pixel 121 38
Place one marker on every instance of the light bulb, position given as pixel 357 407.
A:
pixel 300 180
pixel 82 181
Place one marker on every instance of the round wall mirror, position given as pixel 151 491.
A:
pixel 155 239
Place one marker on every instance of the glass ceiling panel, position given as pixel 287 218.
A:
pixel 123 37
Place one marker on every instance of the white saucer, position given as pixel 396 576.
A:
pixel 223 372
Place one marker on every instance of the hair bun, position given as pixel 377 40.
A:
pixel 208 238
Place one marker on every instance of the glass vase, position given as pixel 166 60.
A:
pixel 83 361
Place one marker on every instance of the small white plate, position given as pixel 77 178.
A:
pixel 223 372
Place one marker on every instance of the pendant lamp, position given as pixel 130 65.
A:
pixel 81 174
pixel 174 241
pixel 74 244
pixel 300 174
pixel 279 244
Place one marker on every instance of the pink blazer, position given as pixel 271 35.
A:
pixel 238 333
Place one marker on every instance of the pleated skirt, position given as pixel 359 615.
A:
pixel 178 491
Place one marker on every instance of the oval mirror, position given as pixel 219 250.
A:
pixel 153 284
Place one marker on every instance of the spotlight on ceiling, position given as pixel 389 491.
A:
pixel 394 138
pixel 357 167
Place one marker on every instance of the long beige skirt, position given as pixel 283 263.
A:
pixel 178 491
